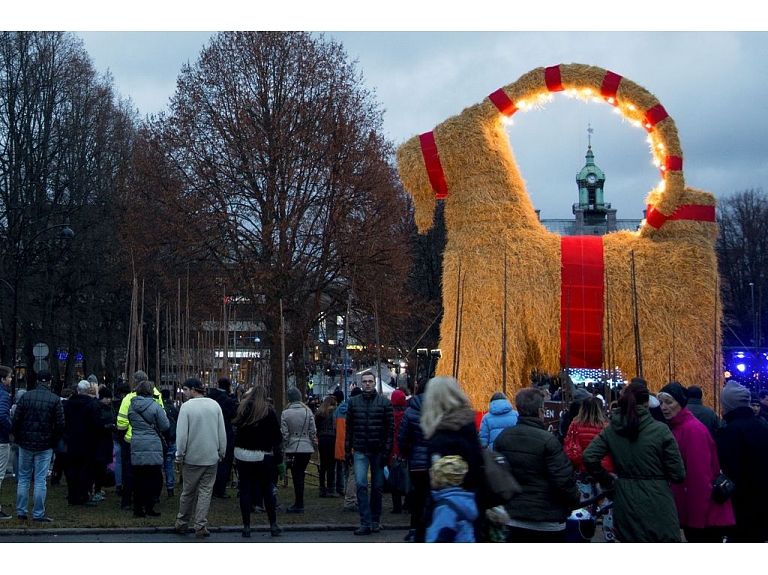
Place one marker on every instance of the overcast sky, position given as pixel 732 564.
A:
pixel 713 84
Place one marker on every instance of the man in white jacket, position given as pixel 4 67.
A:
pixel 201 442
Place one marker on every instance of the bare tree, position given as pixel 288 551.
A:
pixel 63 142
pixel 742 248
pixel 272 151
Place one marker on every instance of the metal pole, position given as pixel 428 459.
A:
pixel 282 349
pixel 346 343
pixel 754 318
pixel 378 345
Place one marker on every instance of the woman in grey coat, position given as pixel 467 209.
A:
pixel 148 420
pixel 297 424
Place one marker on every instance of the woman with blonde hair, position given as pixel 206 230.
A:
pixel 448 423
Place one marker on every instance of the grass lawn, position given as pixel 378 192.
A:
pixel 107 514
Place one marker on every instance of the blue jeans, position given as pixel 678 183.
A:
pixel 170 458
pixel 370 510
pixel 30 462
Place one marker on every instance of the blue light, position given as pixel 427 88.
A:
pixel 740 355
pixel 741 367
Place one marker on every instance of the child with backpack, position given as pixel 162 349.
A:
pixel 453 508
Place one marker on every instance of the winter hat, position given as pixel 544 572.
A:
pixel 398 398
pixel 677 392
pixel 194 383
pixel 105 393
pixel 448 471
pixel 734 395
pixel 694 392
pixel 44 375
pixel 293 395
pixel 754 398
pixel 580 395
pixel 93 379
pixel 339 395
pixel 355 391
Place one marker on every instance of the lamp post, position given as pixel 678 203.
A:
pixel 21 253
pixel 754 318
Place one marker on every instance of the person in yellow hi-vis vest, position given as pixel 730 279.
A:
pixel 126 501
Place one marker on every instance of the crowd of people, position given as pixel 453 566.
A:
pixel 646 463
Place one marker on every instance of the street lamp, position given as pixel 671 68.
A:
pixel 754 318
pixel 21 253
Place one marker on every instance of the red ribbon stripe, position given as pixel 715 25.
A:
pixel 433 165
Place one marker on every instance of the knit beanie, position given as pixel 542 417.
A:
pixel 293 395
pixel 677 391
pixel 448 471
pixel 734 395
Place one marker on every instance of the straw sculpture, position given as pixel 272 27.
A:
pixel 491 225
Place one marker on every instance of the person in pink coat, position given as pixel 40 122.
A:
pixel 702 520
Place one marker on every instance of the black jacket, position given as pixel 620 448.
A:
pixel 82 417
pixel 410 439
pixel 264 435
pixel 459 437
pixel 742 448
pixel 704 414
pixel 370 424
pixel 228 406
pixel 104 448
pixel 540 465
pixel 38 422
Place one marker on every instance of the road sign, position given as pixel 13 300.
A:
pixel 40 350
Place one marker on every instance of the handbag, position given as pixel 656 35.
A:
pixel 501 485
pixel 722 488
pixel 401 476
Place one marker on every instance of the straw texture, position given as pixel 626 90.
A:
pixel 491 225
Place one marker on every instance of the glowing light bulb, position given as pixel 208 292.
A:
pixel 611 101
pixel 631 107
pixel 637 124
pixel 521 105
pixel 507 121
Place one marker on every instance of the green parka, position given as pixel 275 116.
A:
pixel 644 509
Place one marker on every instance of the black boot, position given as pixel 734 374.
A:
pixel 246 530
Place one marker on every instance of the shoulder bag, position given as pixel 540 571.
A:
pixel 501 485
pixel 722 488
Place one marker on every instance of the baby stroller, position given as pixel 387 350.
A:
pixel 580 527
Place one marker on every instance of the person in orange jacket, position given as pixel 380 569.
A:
pixel 340 421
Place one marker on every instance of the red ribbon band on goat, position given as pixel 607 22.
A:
pixel 672 163
pixel 691 212
pixel 582 286
pixel 502 102
pixel 552 79
pixel 433 165
pixel 610 86
pixel 654 115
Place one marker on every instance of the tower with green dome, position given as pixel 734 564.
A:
pixel 593 215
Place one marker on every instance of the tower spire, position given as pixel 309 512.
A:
pixel 589 134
